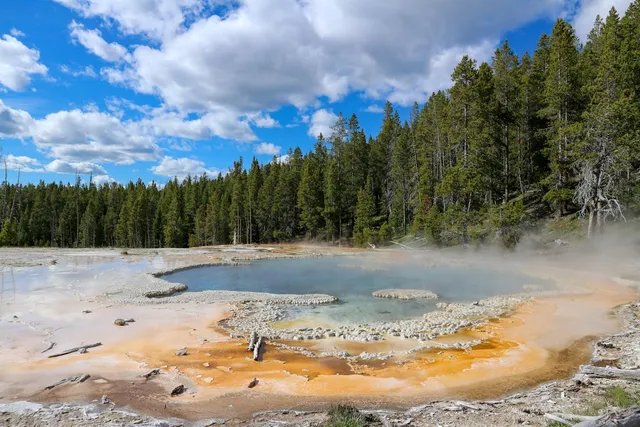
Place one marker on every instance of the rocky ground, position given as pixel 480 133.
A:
pixel 593 391
pixel 609 382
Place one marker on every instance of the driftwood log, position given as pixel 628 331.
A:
pixel 50 347
pixel 152 373
pixel 81 349
pixel 74 379
pixel 259 349
pixel 611 373
pixel 626 418
pixel 252 341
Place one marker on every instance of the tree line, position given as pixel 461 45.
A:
pixel 552 133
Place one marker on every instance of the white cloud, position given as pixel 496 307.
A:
pixel 86 71
pixel 14 123
pixel 157 19
pixel 23 163
pixel 103 179
pixel 182 167
pixel 92 40
pixel 60 166
pixel 321 122
pixel 284 159
pixel 16 33
pixel 18 63
pixel 267 148
pixel 587 11
pixel 263 121
pixel 77 136
pixel 265 54
pixel 374 109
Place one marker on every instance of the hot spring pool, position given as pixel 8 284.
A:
pixel 353 280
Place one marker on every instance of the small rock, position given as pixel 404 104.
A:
pixel 178 390
pixel 206 364
pixel 119 322
pixel 253 383
pixel 86 311
pixel 130 321
pixel 83 350
pixel 105 400
pixel 182 352
pixel 208 380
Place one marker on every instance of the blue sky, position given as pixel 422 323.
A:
pixel 151 89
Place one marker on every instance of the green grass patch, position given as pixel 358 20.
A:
pixel 345 416
pixel 620 398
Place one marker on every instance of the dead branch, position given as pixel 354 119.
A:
pixel 81 349
pixel 51 345
pixel 558 419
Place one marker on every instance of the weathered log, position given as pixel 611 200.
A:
pixel 151 373
pixel 73 350
pixel 611 373
pixel 74 379
pixel 402 246
pixel 252 341
pixel 259 349
pixel 558 419
pixel 50 347
pixel 626 418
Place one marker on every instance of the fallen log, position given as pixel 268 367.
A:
pixel 252 341
pixel 74 379
pixel 259 349
pixel 82 349
pixel 152 373
pixel 558 419
pixel 50 347
pixel 402 246
pixel 626 418
pixel 611 373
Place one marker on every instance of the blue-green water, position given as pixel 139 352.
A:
pixel 353 280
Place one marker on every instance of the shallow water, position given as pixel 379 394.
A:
pixel 353 280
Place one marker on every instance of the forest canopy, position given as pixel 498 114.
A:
pixel 549 134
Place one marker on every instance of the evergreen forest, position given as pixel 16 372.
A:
pixel 551 134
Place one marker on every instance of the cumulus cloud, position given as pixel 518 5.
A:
pixel 16 33
pixel 14 123
pixel 18 63
pixel 181 168
pixel 265 54
pixel 156 19
pixel 587 10
pixel 267 148
pixel 321 122
pixel 92 40
pixel 78 136
pixel 23 163
pixel 263 121
pixel 103 179
pixel 61 166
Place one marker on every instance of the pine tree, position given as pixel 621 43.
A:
pixel 562 109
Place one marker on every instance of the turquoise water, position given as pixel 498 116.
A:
pixel 353 280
